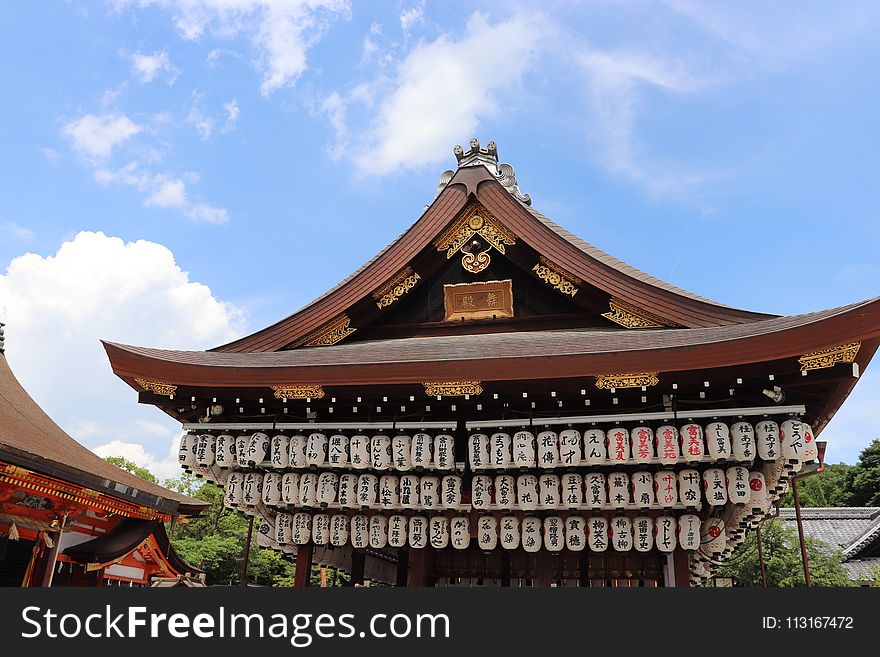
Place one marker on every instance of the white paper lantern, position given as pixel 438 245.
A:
pixel 667 445
pixel 689 485
pixel 713 538
pixel 272 488
pixel 359 452
pixel 409 492
pixel 302 528
pixel 548 487
pixel 597 533
pixel 360 531
pixel 527 492
pixel 478 451
pixel 290 488
pixel 316 450
pixel 460 532
pixel 378 532
pixel 266 533
pixel 524 449
pixel 284 529
pixel 241 450
pixel 792 440
pixel 575 533
pixel 715 486
pixel 505 492
pixel 337 451
pixel 689 531
pixel 737 484
pixel 418 532
pixel 548 449
pixel 774 476
pixel 397 531
pixel 224 455
pixel 742 441
pixel 759 501
pixel 430 492
pixel 643 533
pixel 487 533
pixel 642 444
pixel 253 488
pixel 570 452
pixel 481 492
pixel 296 451
pixel 380 451
pixel 509 532
pixel 643 489
pixel 347 494
pixel 234 489
pixel 444 452
pixel 618 446
pixel 308 490
pixel 597 493
pixel 328 487
pixel 665 529
pixel 531 534
pixel 451 491
pixel 389 492
pixel 666 488
pixel 367 490
pixel 767 439
pixel 692 445
pixel 279 454
pixel 421 451
pixel 572 490
pixel 718 441
pixel 186 453
pixel 811 449
pixel 554 533
pixel 320 529
pixel 618 489
pixel 621 534
pixel 438 531
pixel 258 450
pixel 501 445
pixel 595 452
pixel 338 529
pixel 401 452
pixel 206 450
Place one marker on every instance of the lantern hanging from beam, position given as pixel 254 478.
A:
pixel 621 534
pixel 337 451
pixel 241 450
pixel 409 492
pixel 266 533
pixel 290 488
pixel 380 451
pixel 320 529
pixel 509 533
pixel 481 492
pixel 430 492
pixel 421 451
pixel 283 529
pixel 531 534
pixel 302 528
pixel 718 441
pixel 692 446
pixel 206 450
pixel 570 451
pixel 258 450
pixel 759 501
pixel 713 539
pixel 595 452
pixel 234 488
pixel 715 486
pixel 360 531
pixel 367 490
pixel 597 534
pixel 618 446
pixel 737 485
pixel 359 452
pixel 548 486
pixel 505 492
pixel 791 438
pixel 272 488
pixel 451 491
pixel 665 533
pixel 186 453
pixel 253 488
pixel 225 451
pixel 378 531
pixel 418 532
pixel 279 452
pixel 328 487
pixel 643 533
pixel 348 487
pixel 575 533
pixel 460 530
pixel 618 489
pixel 308 490
pixel 767 439
pixel 296 451
pixel 316 450
pixel 572 490
pixel 548 449
pixel 667 445
pixel 444 452
pixel 527 492
pixel 389 492
pixel 689 485
pixel 689 531
pixel 643 489
pixel 439 532
pixel 401 452
pixel 666 488
pixel 642 444
pixel 811 449
pixel 487 533
pixel 478 451
pixel 742 441
pixel 501 445
pixel 597 494
pixel 338 529
pixel 554 533
pixel 524 449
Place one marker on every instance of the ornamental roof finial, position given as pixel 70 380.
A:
pixel 487 157
pixel 2 338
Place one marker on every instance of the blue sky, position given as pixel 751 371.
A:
pixel 180 173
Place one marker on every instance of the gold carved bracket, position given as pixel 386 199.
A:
pixel 475 221
pixel 636 380
pixel 452 388
pixel 298 392
pixel 157 387
pixel 396 287
pixel 843 353
pixel 556 277
pixel 630 316
pixel 329 334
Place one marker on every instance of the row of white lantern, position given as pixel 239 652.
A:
pixel 792 441
pixel 554 533
pixel 527 492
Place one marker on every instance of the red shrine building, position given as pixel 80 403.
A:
pixel 493 401
pixel 70 518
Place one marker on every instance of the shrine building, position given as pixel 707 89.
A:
pixel 70 518
pixel 493 401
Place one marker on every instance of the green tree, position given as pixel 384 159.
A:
pixel 133 468
pixel 782 559
pixel 826 489
pixel 863 479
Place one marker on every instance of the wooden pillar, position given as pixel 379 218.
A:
pixel 544 565
pixel 247 553
pixel 584 568
pixel 402 568
pixel 303 573
pixel 418 568
pixel 505 568
pixel 51 560
pixel 358 559
pixel 677 571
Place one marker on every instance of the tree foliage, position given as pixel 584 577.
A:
pixel 862 485
pixel 132 467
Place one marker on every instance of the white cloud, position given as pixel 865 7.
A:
pixel 18 232
pixel 208 214
pixel 97 136
pixel 169 193
pixel 146 68
pixel 203 124
pixel 444 88
pixel 335 108
pixel 411 17
pixel 164 466
pixel 232 111
pixel 52 156
pixel 58 307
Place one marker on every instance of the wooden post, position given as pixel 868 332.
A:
pixel 761 556
pixel 544 566
pixel 303 573
pixel 584 568
pixel 402 568
pixel 358 558
pixel 247 554
pixel 505 568
pixel 51 560
pixel 805 560
pixel 681 576
pixel 418 568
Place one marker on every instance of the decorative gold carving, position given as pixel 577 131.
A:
pixel 157 387
pixel 453 388
pixel 844 353
pixel 396 287
pixel 492 299
pixel 557 277
pixel 631 316
pixel 330 333
pixel 475 221
pixel 298 392
pixel 637 380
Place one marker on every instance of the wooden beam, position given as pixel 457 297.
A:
pixel 682 571
pixel 302 574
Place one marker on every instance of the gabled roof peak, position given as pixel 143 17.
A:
pixel 488 157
